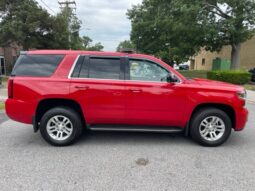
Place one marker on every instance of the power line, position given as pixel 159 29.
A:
pixel 48 7
pixel 67 4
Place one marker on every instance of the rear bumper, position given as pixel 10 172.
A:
pixel 241 118
pixel 19 110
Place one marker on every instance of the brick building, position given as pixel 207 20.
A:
pixel 8 56
pixel 204 60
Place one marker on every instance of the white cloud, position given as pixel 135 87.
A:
pixel 106 19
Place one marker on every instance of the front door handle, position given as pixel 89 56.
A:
pixel 135 90
pixel 81 87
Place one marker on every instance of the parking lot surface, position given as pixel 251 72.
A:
pixel 125 161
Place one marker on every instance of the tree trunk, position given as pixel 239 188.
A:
pixel 235 56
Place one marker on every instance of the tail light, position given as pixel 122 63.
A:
pixel 10 88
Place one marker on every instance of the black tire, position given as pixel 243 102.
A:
pixel 69 113
pixel 204 113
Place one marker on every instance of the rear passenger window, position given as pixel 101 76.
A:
pixel 104 68
pixel 36 65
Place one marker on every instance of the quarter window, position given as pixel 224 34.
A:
pixel 147 71
pixel 36 65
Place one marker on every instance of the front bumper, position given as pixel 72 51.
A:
pixel 241 118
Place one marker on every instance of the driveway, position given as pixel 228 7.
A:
pixel 125 161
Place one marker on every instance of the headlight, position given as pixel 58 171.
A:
pixel 242 94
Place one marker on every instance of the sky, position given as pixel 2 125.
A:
pixel 104 21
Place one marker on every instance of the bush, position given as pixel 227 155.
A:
pixel 193 73
pixel 234 77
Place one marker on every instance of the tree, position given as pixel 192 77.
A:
pixel 126 44
pixel 227 22
pixel 86 41
pixel 25 23
pixel 162 29
pixel 181 27
pixel 87 44
pixel 96 47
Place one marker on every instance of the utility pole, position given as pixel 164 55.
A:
pixel 68 5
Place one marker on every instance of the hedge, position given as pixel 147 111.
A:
pixel 234 77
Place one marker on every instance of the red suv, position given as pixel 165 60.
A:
pixel 63 92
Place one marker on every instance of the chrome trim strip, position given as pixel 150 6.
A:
pixel 73 66
pixel 76 60
pixel 139 81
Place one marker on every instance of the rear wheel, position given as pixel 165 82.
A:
pixel 61 126
pixel 210 127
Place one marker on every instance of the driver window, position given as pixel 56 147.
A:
pixel 147 71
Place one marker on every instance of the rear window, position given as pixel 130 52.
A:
pixel 36 65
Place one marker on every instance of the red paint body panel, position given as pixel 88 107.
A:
pixel 122 101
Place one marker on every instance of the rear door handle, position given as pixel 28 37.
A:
pixel 135 90
pixel 81 87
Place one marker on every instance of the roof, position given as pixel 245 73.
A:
pixel 98 53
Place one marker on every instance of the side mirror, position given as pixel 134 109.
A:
pixel 171 78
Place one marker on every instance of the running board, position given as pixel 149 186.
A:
pixel 158 129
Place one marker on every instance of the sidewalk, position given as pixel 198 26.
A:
pixel 3 94
pixel 251 96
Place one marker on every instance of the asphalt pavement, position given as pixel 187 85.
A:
pixel 125 161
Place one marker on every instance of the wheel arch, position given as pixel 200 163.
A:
pixel 229 110
pixel 48 103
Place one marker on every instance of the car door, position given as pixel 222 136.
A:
pixel 151 99
pixel 98 85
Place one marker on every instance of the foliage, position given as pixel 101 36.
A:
pixel 2 105
pixel 126 44
pixel 194 73
pixel 25 23
pixel 162 28
pixel 181 27
pixel 234 77
pixel 87 44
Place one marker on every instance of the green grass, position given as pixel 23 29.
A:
pixel 194 73
pixel 2 105
pixel 4 81
pixel 5 78
pixel 249 87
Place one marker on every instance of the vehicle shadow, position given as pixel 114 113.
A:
pixel 102 138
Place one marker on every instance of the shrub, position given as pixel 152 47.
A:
pixel 234 77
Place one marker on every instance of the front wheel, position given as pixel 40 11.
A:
pixel 210 127
pixel 61 126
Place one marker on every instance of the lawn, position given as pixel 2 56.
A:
pixel 250 86
pixel 2 106
pixel 4 81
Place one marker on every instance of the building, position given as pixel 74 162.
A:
pixel 204 60
pixel 8 56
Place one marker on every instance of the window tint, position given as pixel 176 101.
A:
pixel 147 71
pixel 36 65
pixel 104 68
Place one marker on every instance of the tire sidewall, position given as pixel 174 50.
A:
pixel 71 115
pixel 195 133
